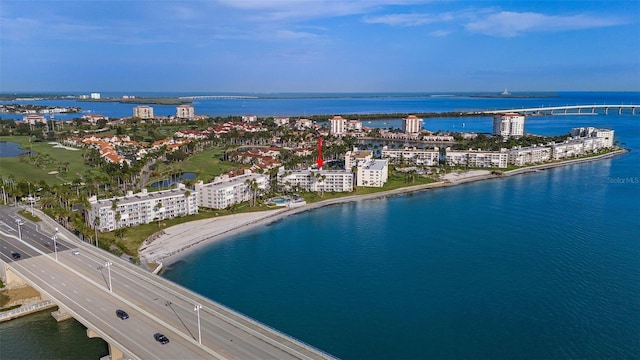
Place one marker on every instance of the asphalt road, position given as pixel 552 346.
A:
pixel 92 284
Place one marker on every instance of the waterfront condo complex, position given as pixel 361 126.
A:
pixel 316 180
pixel 140 208
pixel 510 124
pixel 225 191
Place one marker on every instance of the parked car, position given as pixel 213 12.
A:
pixel 15 255
pixel 160 338
pixel 75 252
pixel 122 314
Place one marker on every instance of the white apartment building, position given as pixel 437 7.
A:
pixel 356 157
pixel 281 120
pixel 412 124
pixel 578 146
pixel 591 132
pixel 593 144
pixel 354 125
pixel 33 119
pixel 185 112
pixel 302 124
pixel 143 112
pixel 225 191
pixel 529 155
pixel 510 124
pixel 373 173
pixel 141 208
pixel 427 157
pixel 249 118
pixel 567 149
pixel 316 180
pixel 337 126
pixel 477 158
pixel 95 96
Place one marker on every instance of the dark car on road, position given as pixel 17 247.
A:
pixel 15 255
pixel 160 338
pixel 122 314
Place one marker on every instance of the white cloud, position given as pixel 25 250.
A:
pixel 400 19
pixel 294 35
pixel 440 33
pixel 510 24
pixel 308 9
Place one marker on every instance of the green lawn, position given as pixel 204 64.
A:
pixel 24 170
pixel 206 165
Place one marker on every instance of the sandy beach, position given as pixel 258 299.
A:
pixel 173 243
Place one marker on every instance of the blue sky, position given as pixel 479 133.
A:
pixel 319 45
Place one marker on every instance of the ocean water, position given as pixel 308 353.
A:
pixel 339 104
pixel 543 265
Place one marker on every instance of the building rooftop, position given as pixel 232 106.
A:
pixel 144 195
pixel 375 165
pixel 232 181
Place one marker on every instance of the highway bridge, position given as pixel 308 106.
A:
pixel 90 284
pixel 567 110
pixel 216 97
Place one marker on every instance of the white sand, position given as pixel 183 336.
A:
pixel 465 176
pixel 181 237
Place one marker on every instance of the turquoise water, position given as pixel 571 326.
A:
pixel 334 104
pixel 545 265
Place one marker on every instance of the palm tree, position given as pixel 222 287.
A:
pixel 252 186
pixel 96 224
pixel 187 195
pixel 157 208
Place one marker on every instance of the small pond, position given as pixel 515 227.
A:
pixel 10 149
pixel 173 180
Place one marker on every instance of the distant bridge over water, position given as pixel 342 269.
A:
pixel 567 110
pixel 216 97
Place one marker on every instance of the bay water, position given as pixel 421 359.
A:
pixel 542 265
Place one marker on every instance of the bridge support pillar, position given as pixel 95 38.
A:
pixel 619 110
pixel 593 110
pixel 633 111
pixel 61 315
pixel 606 111
pixel 114 352
pixel 11 280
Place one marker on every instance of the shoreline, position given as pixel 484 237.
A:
pixel 173 244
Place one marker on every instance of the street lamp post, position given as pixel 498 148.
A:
pixel 108 265
pixel 55 243
pixel 30 199
pixel 20 223
pixel 197 310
